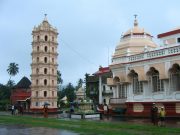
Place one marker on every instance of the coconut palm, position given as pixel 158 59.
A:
pixel 13 69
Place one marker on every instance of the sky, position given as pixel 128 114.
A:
pixel 89 31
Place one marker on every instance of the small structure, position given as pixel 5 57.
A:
pixel 105 91
pixel 20 94
pixel 97 88
pixel 85 111
pixel 64 99
pixel 80 94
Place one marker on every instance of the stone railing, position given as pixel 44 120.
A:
pixel 161 52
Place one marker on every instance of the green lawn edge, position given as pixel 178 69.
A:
pixel 85 127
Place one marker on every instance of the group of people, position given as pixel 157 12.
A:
pixel 15 110
pixel 158 117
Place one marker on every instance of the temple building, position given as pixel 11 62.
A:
pixel 21 93
pixel 146 73
pixel 44 67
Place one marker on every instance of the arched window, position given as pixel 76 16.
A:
pixel 45 48
pixel 52 38
pixel 37 70
pixel 36 93
pixel 52 49
pixel 37 81
pixel 45 93
pixel 45 82
pixel 37 59
pixel 45 59
pixel 174 77
pixel 38 38
pixel 137 85
pixel 46 38
pixel 45 70
pixel 122 89
pixel 116 79
pixel 155 83
pixel 37 48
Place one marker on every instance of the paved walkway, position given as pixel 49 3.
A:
pixel 5 113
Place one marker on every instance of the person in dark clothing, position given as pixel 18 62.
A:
pixel 45 111
pixel 154 114
pixel 12 109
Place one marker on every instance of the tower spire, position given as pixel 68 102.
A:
pixel 45 17
pixel 135 21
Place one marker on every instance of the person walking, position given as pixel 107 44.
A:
pixel 12 109
pixel 154 114
pixel 45 109
pixel 162 114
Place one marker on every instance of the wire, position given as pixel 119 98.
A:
pixel 76 52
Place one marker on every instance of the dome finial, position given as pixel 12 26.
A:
pixel 135 20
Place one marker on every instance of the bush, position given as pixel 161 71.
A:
pixel 4 104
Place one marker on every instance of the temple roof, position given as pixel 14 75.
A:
pixel 45 25
pixel 23 83
pixel 136 30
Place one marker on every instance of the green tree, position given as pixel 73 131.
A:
pixel 10 84
pixel 79 84
pixel 5 92
pixel 59 79
pixel 13 69
pixel 70 92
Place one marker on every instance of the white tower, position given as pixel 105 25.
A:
pixel 44 67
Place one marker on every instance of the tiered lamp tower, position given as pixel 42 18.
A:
pixel 44 67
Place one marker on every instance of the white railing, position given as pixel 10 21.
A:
pixel 148 55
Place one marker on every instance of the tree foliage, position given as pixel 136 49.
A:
pixel 10 84
pixel 59 79
pixel 13 69
pixel 5 92
pixel 79 84
pixel 70 92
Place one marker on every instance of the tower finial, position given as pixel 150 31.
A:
pixel 45 17
pixel 135 20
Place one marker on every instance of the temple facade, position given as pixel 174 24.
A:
pixel 44 67
pixel 146 73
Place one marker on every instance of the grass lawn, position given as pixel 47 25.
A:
pixel 90 127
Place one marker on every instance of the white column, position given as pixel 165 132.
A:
pixel 114 92
pixel 100 89
pixel 117 91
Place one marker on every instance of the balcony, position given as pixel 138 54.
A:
pixel 110 82
pixel 157 53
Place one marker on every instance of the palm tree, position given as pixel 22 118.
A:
pixel 13 69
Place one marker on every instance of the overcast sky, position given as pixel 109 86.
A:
pixel 87 30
